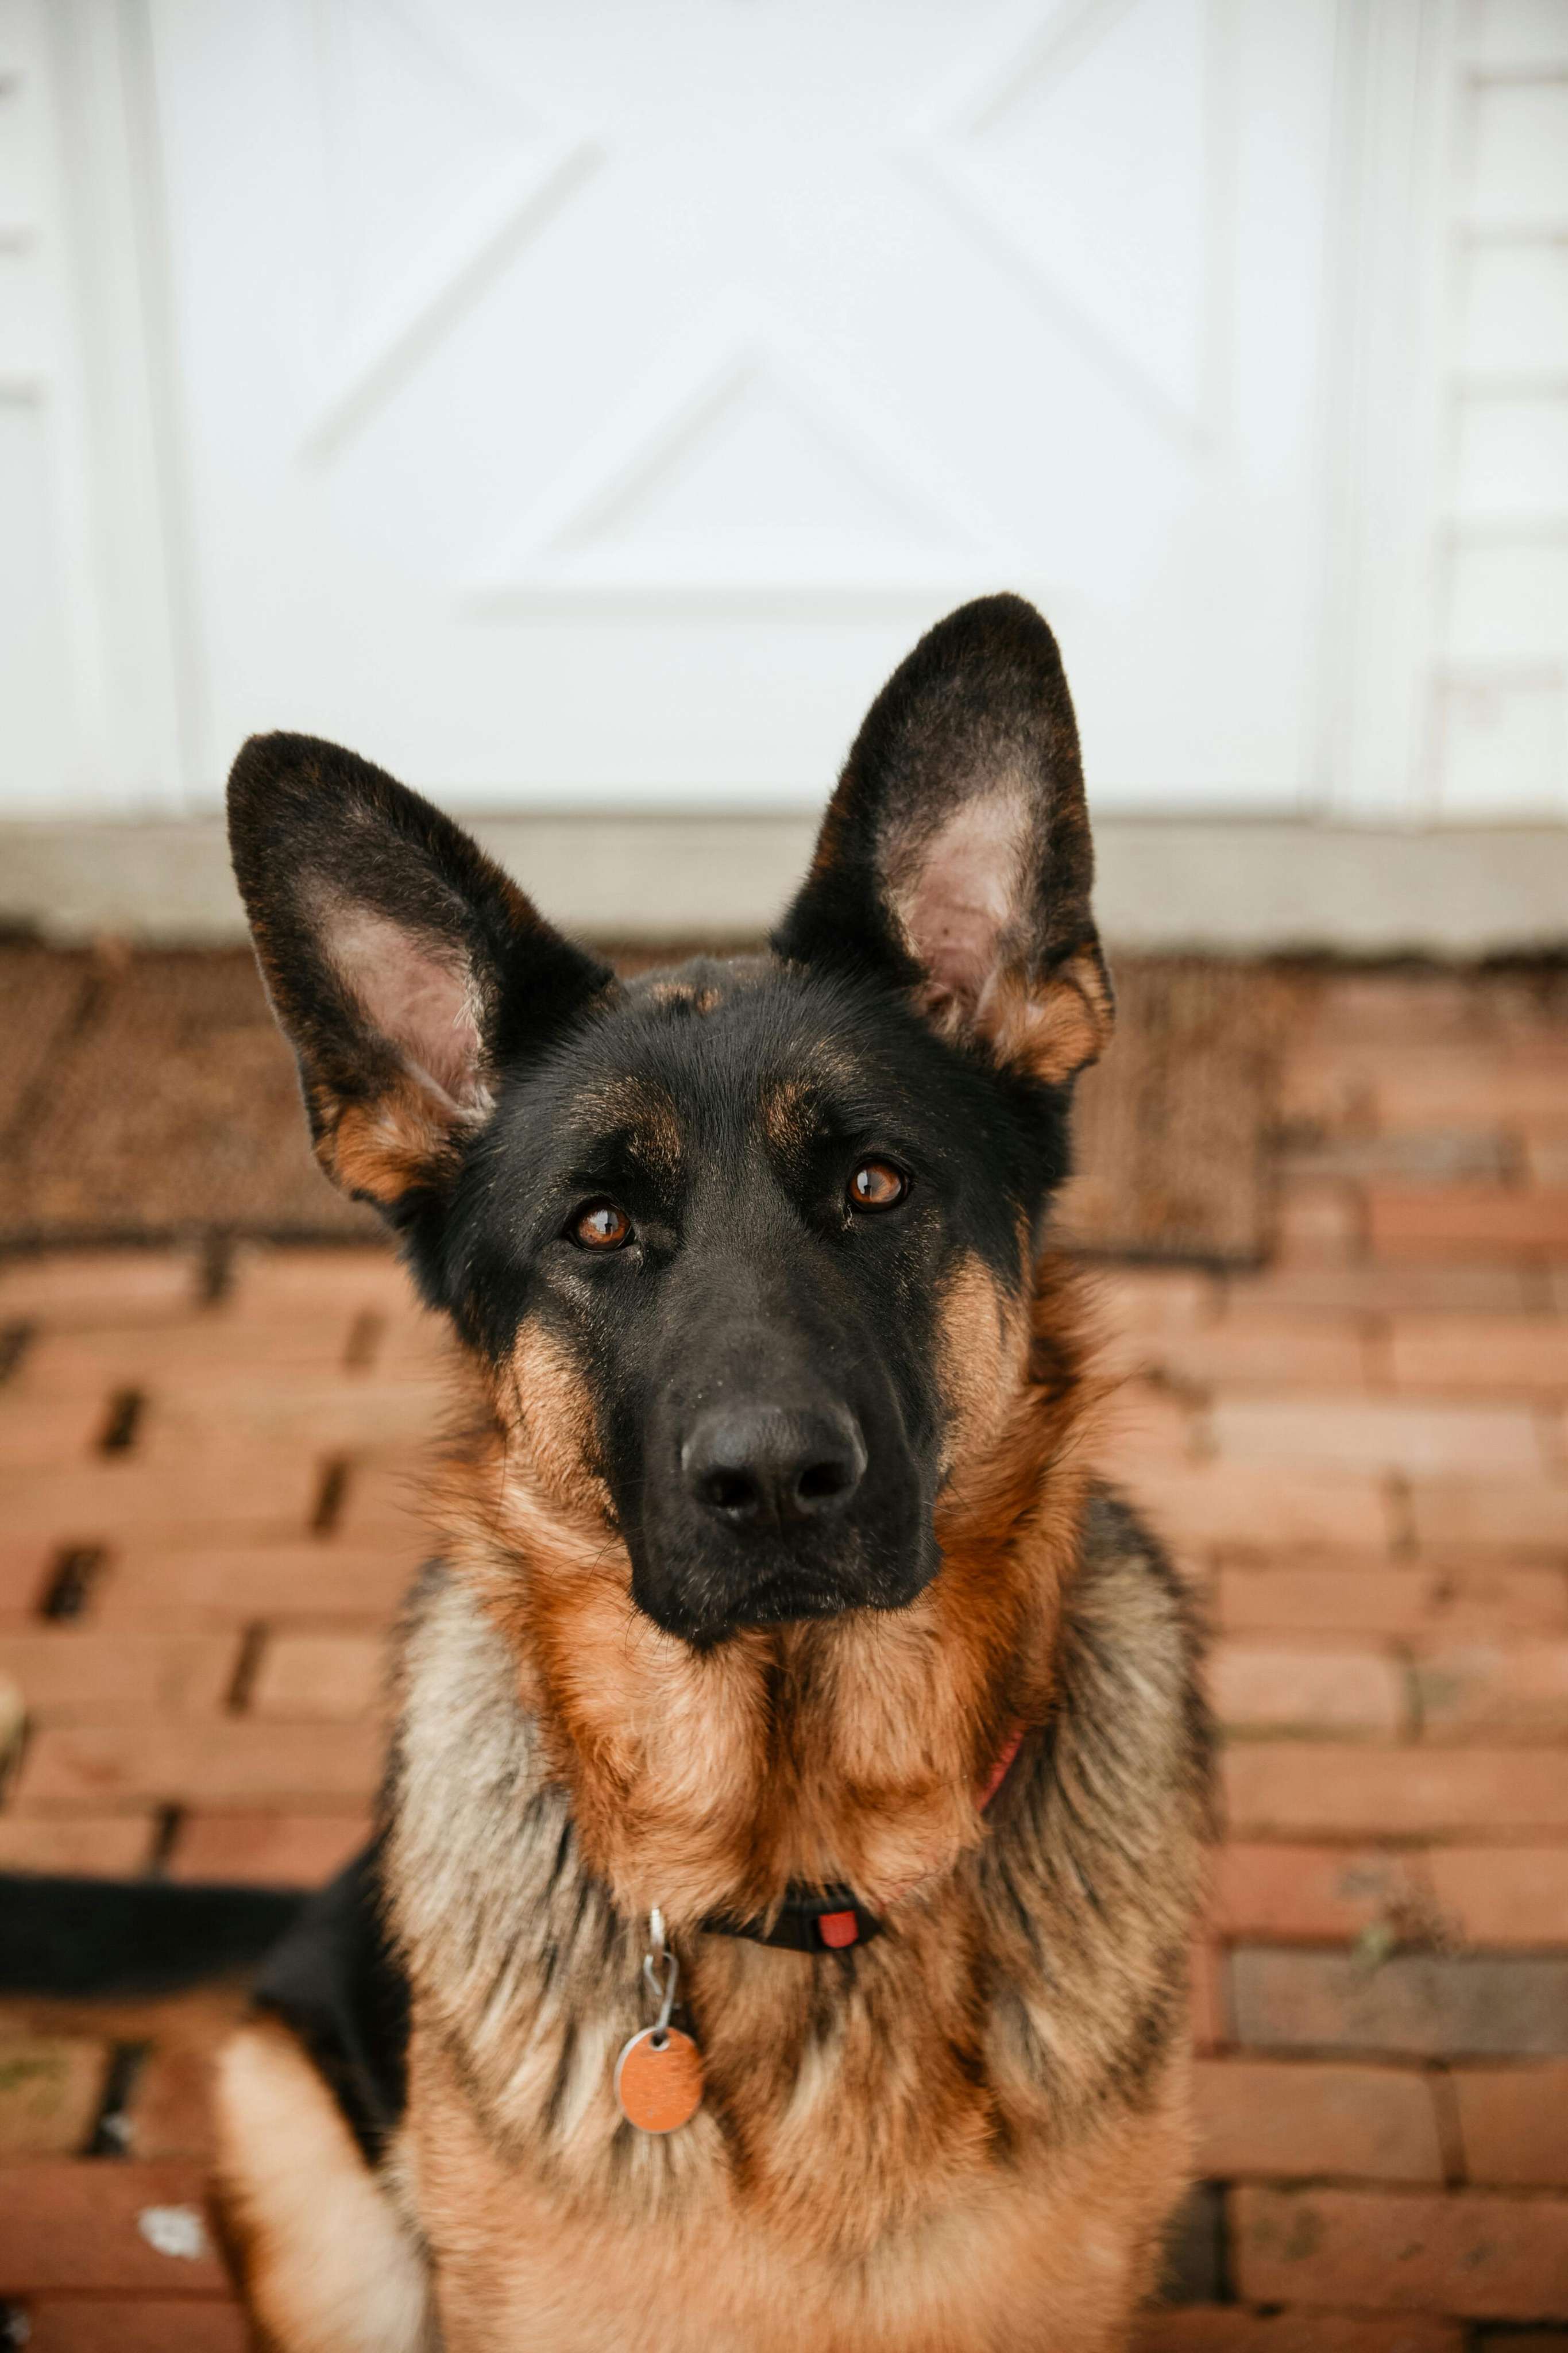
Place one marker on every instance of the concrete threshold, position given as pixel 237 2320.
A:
pixel 1221 885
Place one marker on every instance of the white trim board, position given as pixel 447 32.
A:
pixel 1233 887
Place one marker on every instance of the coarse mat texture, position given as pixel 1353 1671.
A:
pixel 148 1095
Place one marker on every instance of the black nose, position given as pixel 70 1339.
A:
pixel 764 1465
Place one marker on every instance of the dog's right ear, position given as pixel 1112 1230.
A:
pixel 955 857
pixel 404 967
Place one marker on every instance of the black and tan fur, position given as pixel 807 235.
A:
pixel 619 1688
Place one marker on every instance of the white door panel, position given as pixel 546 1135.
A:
pixel 591 403
pixel 588 405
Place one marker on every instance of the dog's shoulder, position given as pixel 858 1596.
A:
pixel 1134 1626
pixel 1121 1554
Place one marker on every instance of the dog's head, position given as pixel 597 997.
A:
pixel 746 1243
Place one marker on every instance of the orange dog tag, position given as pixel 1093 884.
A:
pixel 658 2080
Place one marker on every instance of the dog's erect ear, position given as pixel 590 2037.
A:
pixel 955 853
pixel 402 965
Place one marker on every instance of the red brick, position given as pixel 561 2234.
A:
pixel 1150 1299
pixel 1229 1503
pixel 270 1850
pixel 1487 1690
pixel 51 2087
pixel 1465 1221
pixel 1481 1082
pixel 1369 1597
pixel 105 1846
pixel 1473 1595
pixel 1483 1354
pixel 26 1564
pixel 282 1283
pixel 324 1581
pixel 234 1762
pixel 1209 2022
pixel 1353 1010
pixel 1500 1515
pixel 418 1344
pixel 318 1677
pixel 1367 1433
pixel 1384 1287
pixel 206 2016
pixel 1416 2004
pixel 1329 1599
pixel 1483 1085
pixel 1503 1896
pixel 1442 1155
pixel 1473 2254
pixel 212 1348
pixel 140 2325
pixel 287 1412
pixel 1227 2329
pixel 1271 1688
pixel 36 1430
pixel 1318 1221
pixel 258 1493
pixel 1546 1157
pixel 1293 2120
pixel 1318 1088
pixel 72 1675
pixel 1514 2125
pixel 1299 1894
pixel 171 2104
pixel 79 2227
pixel 1312 1789
pixel 1259 1347
pixel 74 1290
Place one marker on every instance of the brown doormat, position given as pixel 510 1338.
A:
pixel 148 1095
pixel 1170 1129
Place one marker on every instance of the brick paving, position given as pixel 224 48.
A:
pixel 1360 1452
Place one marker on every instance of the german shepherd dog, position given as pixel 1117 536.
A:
pixel 777 1934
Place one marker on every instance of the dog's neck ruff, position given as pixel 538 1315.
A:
pixel 1051 1957
pixel 832 1919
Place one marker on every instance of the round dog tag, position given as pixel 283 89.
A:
pixel 658 2080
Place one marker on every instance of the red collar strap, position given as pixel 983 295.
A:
pixel 1006 1757
pixel 832 1919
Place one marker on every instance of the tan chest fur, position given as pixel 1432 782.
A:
pixel 964 2136
pixel 1050 2256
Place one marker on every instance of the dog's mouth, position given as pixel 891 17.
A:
pixel 706 1607
pixel 781 1600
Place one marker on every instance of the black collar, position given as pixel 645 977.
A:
pixel 832 1919
pixel 810 1920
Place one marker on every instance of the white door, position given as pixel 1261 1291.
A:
pixel 588 403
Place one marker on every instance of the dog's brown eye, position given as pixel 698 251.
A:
pixel 877 1185
pixel 601 1225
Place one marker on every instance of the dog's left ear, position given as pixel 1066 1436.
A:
pixel 956 855
pixel 405 970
